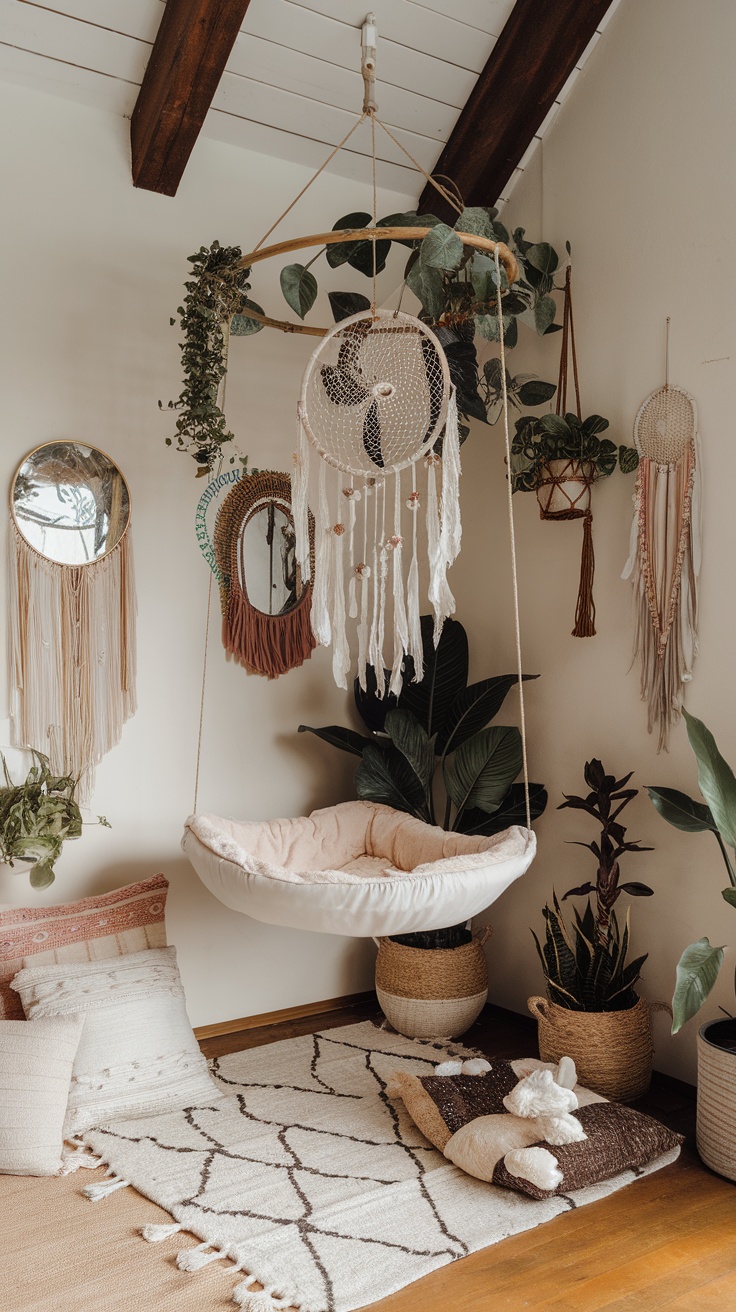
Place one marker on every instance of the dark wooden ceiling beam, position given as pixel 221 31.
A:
pixel 187 61
pixel 535 54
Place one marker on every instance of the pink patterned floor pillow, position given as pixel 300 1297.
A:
pixel 114 924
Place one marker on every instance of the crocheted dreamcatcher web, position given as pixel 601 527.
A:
pixel 375 398
pixel 664 560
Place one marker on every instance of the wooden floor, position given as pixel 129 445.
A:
pixel 665 1242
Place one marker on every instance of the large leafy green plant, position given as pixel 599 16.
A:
pixel 435 730
pixel 585 965
pixel 539 440
pixel 700 963
pixel 36 818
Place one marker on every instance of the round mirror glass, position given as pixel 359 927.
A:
pixel 70 502
pixel 267 563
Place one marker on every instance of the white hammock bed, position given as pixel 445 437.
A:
pixel 359 869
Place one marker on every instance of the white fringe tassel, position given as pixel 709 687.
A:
pixel 300 500
pixel 340 647
pixel 155 1234
pixel 193 1259
pixel 401 623
pixel 451 526
pixel 440 596
pixel 416 647
pixel 259 1300
pixel 96 1192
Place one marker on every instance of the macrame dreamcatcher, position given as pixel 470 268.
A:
pixel 276 637
pixel 564 489
pixel 376 397
pixel 72 608
pixel 664 560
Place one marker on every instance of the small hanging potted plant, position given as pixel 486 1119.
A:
pixel 592 1012
pixel 700 963
pixel 433 984
pixel 37 815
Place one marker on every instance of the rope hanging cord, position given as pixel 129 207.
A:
pixel 512 540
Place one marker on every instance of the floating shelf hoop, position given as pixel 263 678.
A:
pixel 484 244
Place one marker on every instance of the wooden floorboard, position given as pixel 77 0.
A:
pixel 666 1243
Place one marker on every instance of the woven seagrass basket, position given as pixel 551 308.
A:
pixel 716 1123
pixel 432 993
pixel 612 1050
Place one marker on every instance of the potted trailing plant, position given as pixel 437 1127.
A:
pixel 435 730
pixel 592 1012
pixel 700 963
pixel 37 816
pixel 547 447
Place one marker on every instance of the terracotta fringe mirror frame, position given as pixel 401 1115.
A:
pixel 266 621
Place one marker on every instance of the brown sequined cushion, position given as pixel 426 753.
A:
pixel 618 1138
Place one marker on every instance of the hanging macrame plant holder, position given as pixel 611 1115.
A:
pixel 376 398
pixel 664 559
pixel 263 642
pixel 564 487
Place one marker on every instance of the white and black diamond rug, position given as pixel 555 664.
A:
pixel 313 1181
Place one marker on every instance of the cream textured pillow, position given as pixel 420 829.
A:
pixel 137 1055
pixel 35 1069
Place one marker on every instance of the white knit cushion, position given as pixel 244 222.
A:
pixel 35 1070
pixel 137 1055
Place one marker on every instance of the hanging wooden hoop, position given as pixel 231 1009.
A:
pixel 506 258
pixel 264 644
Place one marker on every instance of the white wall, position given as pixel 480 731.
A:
pixel 637 173
pixel 93 270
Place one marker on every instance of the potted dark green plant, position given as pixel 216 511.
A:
pixel 700 963
pixel 37 816
pixel 592 1012
pixel 433 753
pixel 554 450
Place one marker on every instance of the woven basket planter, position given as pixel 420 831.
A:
pixel 716 1123
pixel 612 1050
pixel 432 993
pixel 563 491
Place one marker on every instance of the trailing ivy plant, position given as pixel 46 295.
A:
pixel 36 818
pixel 435 730
pixel 216 302
pixel 457 287
pixel 539 440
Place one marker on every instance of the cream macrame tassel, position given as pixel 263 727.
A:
pixel 374 657
pixel 440 596
pixel 383 550
pixel 401 624
pixel 451 526
pixel 321 625
pixel 300 500
pixel 352 586
pixel 340 647
pixel 415 646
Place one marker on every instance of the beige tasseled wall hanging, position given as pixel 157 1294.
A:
pixel 72 608
pixel 664 559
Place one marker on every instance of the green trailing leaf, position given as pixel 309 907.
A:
pixel 462 360
pixel 299 287
pixel 697 972
pixel 544 313
pixel 477 220
pixel 335 734
pixel 716 779
pixel 682 811
pixel 409 220
pixel 628 459
pixel 428 286
pixel 482 770
pixel 729 895
pixel 37 817
pixel 441 249
pixel 543 257
pixel 241 325
pixel 536 392
pixel 358 254
pixel 344 304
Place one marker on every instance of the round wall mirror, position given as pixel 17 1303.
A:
pixel 70 502
pixel 266 559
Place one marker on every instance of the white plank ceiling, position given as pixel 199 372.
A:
pixel 292 87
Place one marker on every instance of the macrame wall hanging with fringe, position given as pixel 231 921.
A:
pixel 375 400
pixel 266 599
pixel 664 559
pixel 564 487
pixel 72 607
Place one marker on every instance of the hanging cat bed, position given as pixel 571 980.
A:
pixel 358 868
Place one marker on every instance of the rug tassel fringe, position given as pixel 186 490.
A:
pixel 259 1300
pixel 193 1259
pixel 78 1159
pixel 155 1234
pixel 96 1192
